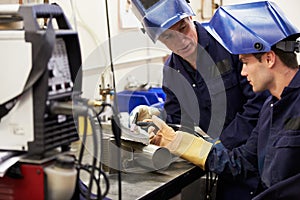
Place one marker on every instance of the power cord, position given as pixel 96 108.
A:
pixel 81 107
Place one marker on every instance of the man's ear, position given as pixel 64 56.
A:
pixel 270 58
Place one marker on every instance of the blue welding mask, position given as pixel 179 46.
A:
pixel 158 15
pixel 253 28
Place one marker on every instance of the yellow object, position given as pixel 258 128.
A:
pixel 191 148
pixel 164 136
pixel 81 126
pixel 187 146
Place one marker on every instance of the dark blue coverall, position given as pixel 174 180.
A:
pixel 273 148
pixel 218 99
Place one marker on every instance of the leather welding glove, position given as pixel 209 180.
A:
pixel 144 113
pixel 185 145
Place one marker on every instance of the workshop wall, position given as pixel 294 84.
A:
pixel 134 57
pixel 132 52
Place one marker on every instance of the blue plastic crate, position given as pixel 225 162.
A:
pixel 128 100
pixel 159 91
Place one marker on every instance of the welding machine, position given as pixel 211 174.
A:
pixel 41 67
pixel 40 64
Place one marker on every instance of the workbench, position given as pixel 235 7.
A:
pixel 139 183
pixel 162 184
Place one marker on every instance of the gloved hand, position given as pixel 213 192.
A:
pixel 161 135
pixel 144 113
pixel 187 146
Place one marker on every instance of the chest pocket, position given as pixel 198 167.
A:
pixel 292 124
pixel 290 139
pixel 222 77
pixel 282 160
pixel 223 82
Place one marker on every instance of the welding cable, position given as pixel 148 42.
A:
pixel 83 140
pixel 68 108
pixel 101 148
pixel 100 133
pixel 117 134
pixel 106 180
pixel 100 172
pixel 115 121
pixel 84 189
pixel 81 151
pixel 92 168
pixel 81 109
pixel 101 151
pixel 115 124
pixel 95 148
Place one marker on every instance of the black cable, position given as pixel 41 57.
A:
pixel 84 136
pixel 82 146
pixel 83 140
pixel 83 192
pixel 117 137
pixel 95 148
pixel 101 145
pixel 86 168
pixel 101 149
pixel 81 109
pixel 102 109
pixel 115 124
pixel 117 132
pixel 90 116
pixel 105 179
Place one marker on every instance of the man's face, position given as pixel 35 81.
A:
pixel 258 73
pixel 181 38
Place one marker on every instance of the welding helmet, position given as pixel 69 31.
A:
pixel 158 15
pixel 253 28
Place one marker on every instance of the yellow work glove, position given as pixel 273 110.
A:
pixel 187 146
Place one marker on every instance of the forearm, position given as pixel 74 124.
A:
pixel 238 161
pixel 214 156
pixel 191 148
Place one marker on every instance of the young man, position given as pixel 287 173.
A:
pixel 266 42
pixel 203 84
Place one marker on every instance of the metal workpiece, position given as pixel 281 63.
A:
pixel 139 182
pixel 135 157
pixel 151 157
pixel 157 173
